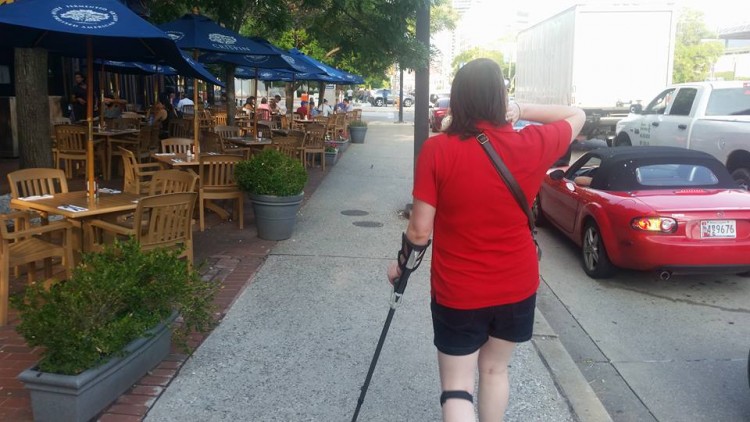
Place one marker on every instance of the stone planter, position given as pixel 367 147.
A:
pixel 357 134
pixel 342 145
pixel 331 158
pixel 79 398
pixel 275 216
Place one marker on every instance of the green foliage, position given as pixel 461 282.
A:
pixel 358 123
pixel 695 50
pixel 271 173
pixel 475 53
pixel 113 298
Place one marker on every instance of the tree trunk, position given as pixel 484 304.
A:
pixel 231 101
pixel 321 92
pixel 32 108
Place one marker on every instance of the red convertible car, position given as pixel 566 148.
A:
pixel 438 112
pixel 660 209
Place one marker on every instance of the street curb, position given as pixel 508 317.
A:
pixel 572 384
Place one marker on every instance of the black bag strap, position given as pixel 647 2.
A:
pixel 508 178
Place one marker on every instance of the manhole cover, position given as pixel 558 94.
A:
pixel 356 213
pixel 367 224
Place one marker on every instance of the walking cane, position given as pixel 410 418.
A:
pixel 412 260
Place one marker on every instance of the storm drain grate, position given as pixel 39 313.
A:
pixel 367 224
pixel 355 213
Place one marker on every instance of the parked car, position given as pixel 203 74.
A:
pixel 436 96
pixel 376 98
pixel 438 112
pixel 664 209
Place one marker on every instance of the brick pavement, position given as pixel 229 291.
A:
pixel 228 255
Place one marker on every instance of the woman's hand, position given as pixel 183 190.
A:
pixel 513 113
pixel 394 272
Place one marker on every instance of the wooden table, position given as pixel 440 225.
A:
pixel 100 206
pixel 249 141
pixel 176 160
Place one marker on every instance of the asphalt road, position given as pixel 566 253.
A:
pixel 673 350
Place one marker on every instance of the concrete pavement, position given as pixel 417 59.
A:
pixel 297 343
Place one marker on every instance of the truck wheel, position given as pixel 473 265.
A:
pixel 379 102
pixel 596 263
pixel 742 177
pixel 622 140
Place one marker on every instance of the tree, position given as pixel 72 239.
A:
pixel 696 49
pixel 475 53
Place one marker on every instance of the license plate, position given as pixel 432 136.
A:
pixel 718 229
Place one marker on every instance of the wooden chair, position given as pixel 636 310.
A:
pixel 131 114
pixel 180 128
pixel 315 145
pixel 357 114
pixel 172 181
pixel 166 223
pixel 71 148
pixel 220 118
pixel 37 181
pixel 340 130
pixel 141 145
pixel 227 147
pixel 176 145
pixel 212 143
pixel 216 181
pixel 137 176
pixel 124 123
pixel 26 245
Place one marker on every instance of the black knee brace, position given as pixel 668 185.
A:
pixel 456 394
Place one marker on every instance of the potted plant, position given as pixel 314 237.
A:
pixel 274 182
pixel 357 131
pixel 107 326
pixel 332 154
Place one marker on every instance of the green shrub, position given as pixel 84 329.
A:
pixel 271 173
pixel 358 123
pixel 112 298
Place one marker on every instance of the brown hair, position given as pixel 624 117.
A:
pixel 478 93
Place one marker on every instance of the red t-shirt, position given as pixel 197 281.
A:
pixel 482 253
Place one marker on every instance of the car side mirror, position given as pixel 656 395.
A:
pixel 557 174
pixel 636 109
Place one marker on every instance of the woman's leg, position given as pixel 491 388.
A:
pixel 494 389
pixel 457 374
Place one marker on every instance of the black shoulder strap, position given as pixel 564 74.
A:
pixel 507 177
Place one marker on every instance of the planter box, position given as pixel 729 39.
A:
pixel 275 216
pixel 342 145
pixel 357 134
pixel 79 398
pixel 331 158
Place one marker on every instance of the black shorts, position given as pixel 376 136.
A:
pixel 460 332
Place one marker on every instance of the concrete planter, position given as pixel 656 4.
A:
pixel 357 134
pixel 79 398
pixel 342 145
pixel 275 216
pixel 331 158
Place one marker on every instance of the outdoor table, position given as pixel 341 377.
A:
pixel 249 141
pixel 76 206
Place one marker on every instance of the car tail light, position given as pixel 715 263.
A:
pixel 654 224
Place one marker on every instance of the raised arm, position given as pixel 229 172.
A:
pixel 547 114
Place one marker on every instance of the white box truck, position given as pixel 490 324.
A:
pixel 600 57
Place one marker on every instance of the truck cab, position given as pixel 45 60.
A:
pixel 712 117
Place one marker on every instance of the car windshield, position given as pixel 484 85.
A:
pixel 443 103
pixel 675 175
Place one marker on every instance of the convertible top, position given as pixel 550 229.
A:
pixel 617 171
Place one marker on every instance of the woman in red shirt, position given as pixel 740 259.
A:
pixel 484 269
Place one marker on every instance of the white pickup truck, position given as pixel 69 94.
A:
pixel 713 117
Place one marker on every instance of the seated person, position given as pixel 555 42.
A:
pixel 303 111
pixel 112 107
pixel 313 111
pixel 249 106
pixel 344 106
pixel 325 109
pixel 184 100
pixel 280 104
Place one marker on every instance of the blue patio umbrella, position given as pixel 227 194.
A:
pixel 199 33
pixel 86 28
pixel 336 75
pixel 150 69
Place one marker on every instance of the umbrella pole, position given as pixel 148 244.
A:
pixel 196 126
pixel 255 107
pixel 90 188
pixel 101 98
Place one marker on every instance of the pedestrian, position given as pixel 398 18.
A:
pixel 484 268
pixel 79 98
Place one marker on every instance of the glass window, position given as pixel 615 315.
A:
pixel 660 103
pixel 729 102
pixel 675 175
pixel 683 102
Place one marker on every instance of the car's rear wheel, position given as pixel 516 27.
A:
pixel 596 262
pixel 622 140
pixel 408 102
pixel 379 102
pixel 742 177
pixel 537 213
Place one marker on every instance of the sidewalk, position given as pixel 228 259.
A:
pixel 297 342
